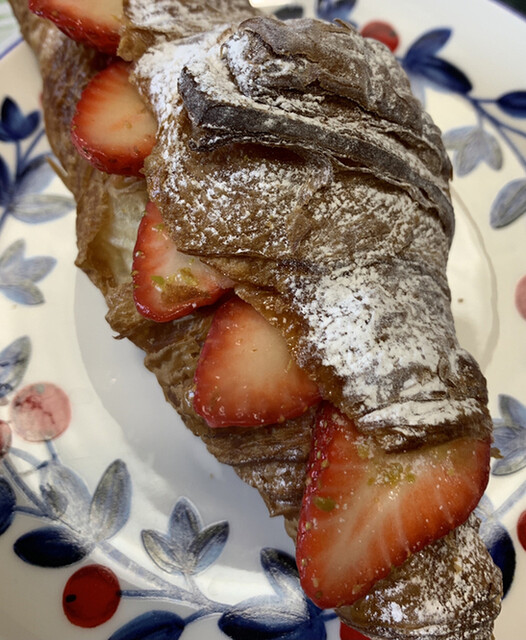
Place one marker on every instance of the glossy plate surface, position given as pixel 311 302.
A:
pixel 114 520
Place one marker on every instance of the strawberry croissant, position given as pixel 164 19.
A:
pixel 296 161
pixel 292 161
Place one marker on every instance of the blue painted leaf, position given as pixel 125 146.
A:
pixel 13 255
pixel 509 204
pixel 512 411
pixel 163 552
pixel 510 436
pixel 270 618
pixel 281 571
pixel 472 145
pixel 188 548
pixel 110 506
pixel 427 45
pixel 35 176
pixel 153 625
pixel 24 292
pixel 511 444
pixel 52 546
pixel 40 207
pixel 65 495
pixel 18 274
pixel 440 72
pixel 185 523
pixel 513 103
pixel 503 553
pixel 498 542
pixel 332 9
pixel 208 545
pixel 13 364
pixel 7 505
pixel 33 269
pixel 6 187
pixel 14 125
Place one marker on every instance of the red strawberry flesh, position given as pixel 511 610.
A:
pixel 93 22
pixel 169 284
pixel 365 510
pixel 246 375
pixel 112 127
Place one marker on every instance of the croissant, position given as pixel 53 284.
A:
pixel 293 160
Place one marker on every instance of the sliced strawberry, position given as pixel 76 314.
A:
pixel 365 510
pixel 169 284
pixel 92 22
pixel 112 127
pixel 347 633
pixel 245 375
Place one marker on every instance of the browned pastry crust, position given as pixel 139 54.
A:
pixel 458 565
pixel 463 600
pixel 147 23
pixel 326 199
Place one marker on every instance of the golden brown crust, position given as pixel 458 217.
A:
pixel 108 212
pixel 330 212
pixel 458 567
pixel 148 24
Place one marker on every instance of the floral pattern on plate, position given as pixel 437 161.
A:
pixel 21 197
pixel 78 526
pixel 77 521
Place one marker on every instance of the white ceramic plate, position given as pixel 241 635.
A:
pixel 100 491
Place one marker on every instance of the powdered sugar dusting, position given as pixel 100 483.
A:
pixel 458 587
pixel 377 312
pixel 158 70
pixel 371 295
pixel 217 81
pixel 375 329
pixel 184 18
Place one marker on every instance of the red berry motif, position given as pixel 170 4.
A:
pixel 91 596
pixel 383 32
pixel 521 529
pixel 40 412
pixel 520 297
pixel 5 438
pixel 346 633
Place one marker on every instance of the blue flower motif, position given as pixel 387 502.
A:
pixel 189 547
pixel 421 61
pixel 288 615
pixel 471 146
pixel 21 197
pixel 510 436
pixel 19 275
pixel 79 521
pixel 14 125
